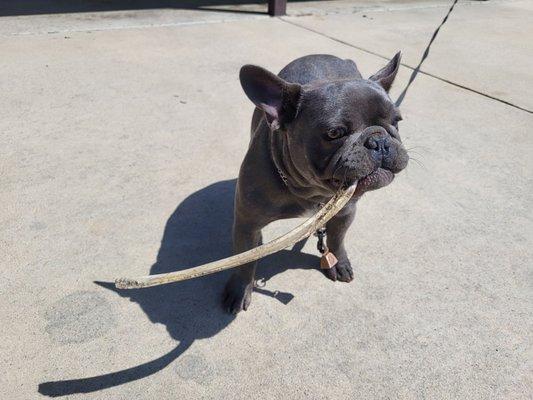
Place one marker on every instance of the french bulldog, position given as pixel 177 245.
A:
pixel 317 126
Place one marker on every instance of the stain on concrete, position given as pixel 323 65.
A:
pixel 79 317
pixel 37 226
pixel 194 367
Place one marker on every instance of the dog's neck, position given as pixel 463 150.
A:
pixel 292 179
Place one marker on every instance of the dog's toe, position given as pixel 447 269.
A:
pixel 342 271
pixel 237 297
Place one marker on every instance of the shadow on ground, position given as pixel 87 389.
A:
pixel 32 7
pixel 197 232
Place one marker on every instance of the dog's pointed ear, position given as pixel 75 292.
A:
pixel 385 76
pixel 277 98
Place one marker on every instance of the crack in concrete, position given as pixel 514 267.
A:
pixel 408 66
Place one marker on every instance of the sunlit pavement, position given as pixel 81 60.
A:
pixel 122 133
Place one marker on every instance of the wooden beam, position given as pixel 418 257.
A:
pixel 277 7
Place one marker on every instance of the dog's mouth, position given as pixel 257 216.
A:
pixel 375 180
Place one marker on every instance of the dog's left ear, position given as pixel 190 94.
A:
pixel 275 96
pixel 385 76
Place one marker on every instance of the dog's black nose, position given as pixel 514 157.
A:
pixel 378 144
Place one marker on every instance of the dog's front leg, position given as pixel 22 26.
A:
pixel 336 229
pixel 238 291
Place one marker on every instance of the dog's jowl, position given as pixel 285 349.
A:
pixel 317 126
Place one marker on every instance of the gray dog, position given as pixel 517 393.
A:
pixel 317 126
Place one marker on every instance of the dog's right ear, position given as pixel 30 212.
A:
pixel 276 97
pixel 385 76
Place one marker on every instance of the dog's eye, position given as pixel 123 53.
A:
pixel 337 132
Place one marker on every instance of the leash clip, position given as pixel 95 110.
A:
pixel 321 235
pixel 328 259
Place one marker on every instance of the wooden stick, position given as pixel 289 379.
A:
pixel 302 231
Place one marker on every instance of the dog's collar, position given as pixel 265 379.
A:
pixel 273 157
pixel 282 176
pixel 292 185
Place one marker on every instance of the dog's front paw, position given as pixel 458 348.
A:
pixel 237 295
pixel 342 271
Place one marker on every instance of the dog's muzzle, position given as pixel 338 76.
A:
pixel 370 159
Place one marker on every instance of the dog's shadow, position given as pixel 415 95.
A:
pixel 197 232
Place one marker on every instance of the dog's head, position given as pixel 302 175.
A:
pixel 337 131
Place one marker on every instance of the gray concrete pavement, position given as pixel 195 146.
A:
pixel 484 46
pixel 120 147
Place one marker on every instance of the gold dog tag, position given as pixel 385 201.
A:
pixel 328 260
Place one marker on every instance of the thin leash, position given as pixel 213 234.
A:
pixel 424 56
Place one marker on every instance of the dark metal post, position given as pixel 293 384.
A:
pixel 277 7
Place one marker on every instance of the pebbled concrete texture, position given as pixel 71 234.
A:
pixel 120 149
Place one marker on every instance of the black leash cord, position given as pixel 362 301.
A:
pixel 424 56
